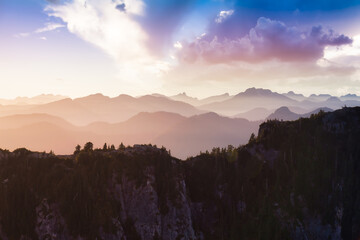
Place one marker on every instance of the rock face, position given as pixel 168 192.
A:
pixel 140 206
pixel 49 222
pixel 296 180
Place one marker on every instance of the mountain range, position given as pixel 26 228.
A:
pixel 169 121
pixel 97 107
pixel 40 99
pixel 185 136
pixel 253 104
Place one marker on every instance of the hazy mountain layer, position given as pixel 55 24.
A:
pixel 94 108
pixel 40 99
pixel 256 114
pixel 197 102
pixel 256 98
pixel 254 104
pixel 285 114
pixel 248 100
pixel 184 136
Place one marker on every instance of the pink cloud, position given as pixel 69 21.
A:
pixel 268 40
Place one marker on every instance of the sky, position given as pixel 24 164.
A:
pixel 201 47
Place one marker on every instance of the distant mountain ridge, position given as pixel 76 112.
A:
pixel 260 92
pixel 40 99
pixel 295 96
pixel 253 104
pixel 256 98
pixel 256 114
pixel 100 118
pixel 197 102
pixel 248 100
pixel 285 114
pixel 97 107
pixel 185 136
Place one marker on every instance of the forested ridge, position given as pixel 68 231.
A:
pixel 295 180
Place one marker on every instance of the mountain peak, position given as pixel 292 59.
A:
pixel 185 98
pixel 210 115
pixel 97 95
pixel 207 116
pixel 183 94
pixel 216 98
pixel 292 93
pixel 333 99
pixel 283 113
pixel 283 110
pixel 258 92
pixel 350 95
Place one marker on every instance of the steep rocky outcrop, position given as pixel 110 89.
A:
pixel 49 222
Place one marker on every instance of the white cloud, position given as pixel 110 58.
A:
pixel 223 15
pixel 22 35
pixel 333 53
pixel 49 27
pixel 132 6
pixel 178 45
pixel 115 32
pixel 347 55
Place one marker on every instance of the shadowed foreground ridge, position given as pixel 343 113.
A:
pixel 296 180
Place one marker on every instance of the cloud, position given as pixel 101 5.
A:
pixel 268 40
pixel 177 45
pixel 22 35
pixel 121 7
pixel 117 34
pixel 137 35
pixel 347 55
pixel 223 15
pixel 329 38
pixel 49 27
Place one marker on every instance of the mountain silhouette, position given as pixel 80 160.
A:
pixel 285 114
pixel 248 100
pixel 183 136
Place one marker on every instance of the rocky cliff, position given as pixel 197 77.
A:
pixel 296 180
